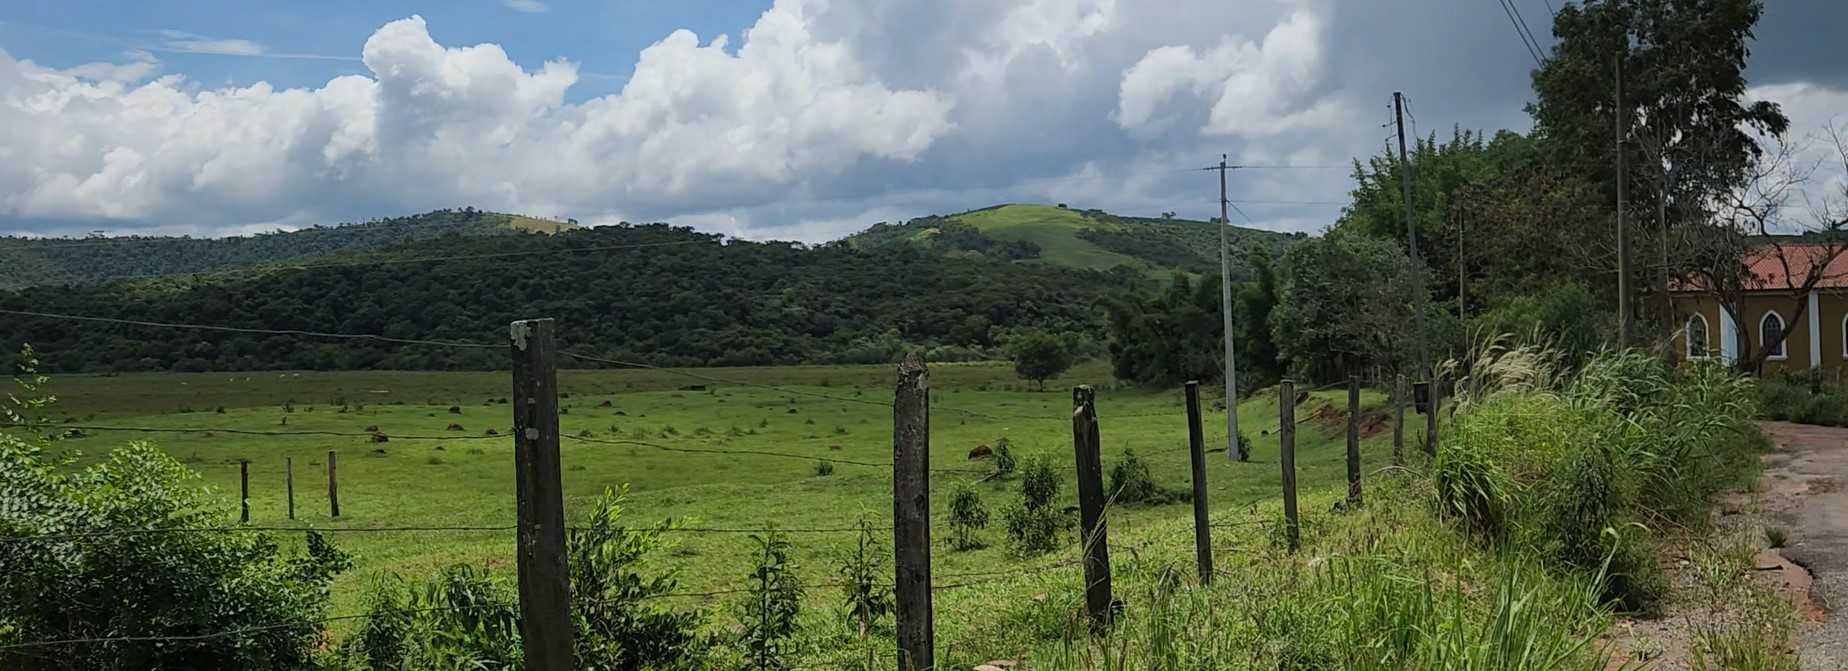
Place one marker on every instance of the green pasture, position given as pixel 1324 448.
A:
pixel 428 474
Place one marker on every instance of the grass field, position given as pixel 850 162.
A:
pixel 464 477
pixel 1055 230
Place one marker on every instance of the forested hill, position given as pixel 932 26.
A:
pixel 42 261
pixel 1092 239
pixel 696 302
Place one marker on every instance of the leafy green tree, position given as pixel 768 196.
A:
pixel 1033 525
pixel 1039 355
pixel 127 549
pixel 868 593
pixel 967 516
pixel 768 615
pixel 1346 303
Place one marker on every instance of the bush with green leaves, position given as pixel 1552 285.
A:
pixel 767 618
pixel 1004 460
pixel 464 617
pixel 127 550
pixel 1583 469
pixel 1131 483
pixel 967 516
pixel 867 590
pixel 1034 524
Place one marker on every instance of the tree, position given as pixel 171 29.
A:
pixel 1345 303
pixel 1039 355
pixel 250 605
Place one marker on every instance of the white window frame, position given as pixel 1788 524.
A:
pixel 1707 338
pixel 1783 344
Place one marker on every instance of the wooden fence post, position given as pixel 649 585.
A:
pixel 1435 401
pixel 1398 420
pixel 288 471
pixel 333 486
pixel 243 500
pixel 545 589
pixel 1286 443
pixel 911 516
pixel 1196 447
pixel 1353 440
pixel 1094 534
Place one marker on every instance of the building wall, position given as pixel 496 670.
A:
pixel 1831 309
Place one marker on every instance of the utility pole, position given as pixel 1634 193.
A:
pixel 1623 247
pixel 1225 312
pixel 1411 234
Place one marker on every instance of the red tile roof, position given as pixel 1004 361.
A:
pixel 1768 266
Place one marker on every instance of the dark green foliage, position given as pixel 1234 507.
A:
pixel 945 235
pixel 968 515
pixel 1165 251
pixel 824 468
pixel 1244 447
pixel 1039 355
pixel 1565 316
pixel 1034 524
pixel 1169 338
pixel 1586 474
pixel 84 581
pixel 1003 456
pixel 1130 483
pixel 39 261
pixel 768 614
pixel 464 617
pixel 1343 302
pixel 700 303
pixel 1803 397
pixel 868 593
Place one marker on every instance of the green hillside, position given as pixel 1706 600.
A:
pixel 1084 239
pixel 26 262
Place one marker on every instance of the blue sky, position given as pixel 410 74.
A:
pixel 604 37
pixel 807 119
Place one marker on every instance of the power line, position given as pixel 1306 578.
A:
pixel 1532 50
pixel 249 330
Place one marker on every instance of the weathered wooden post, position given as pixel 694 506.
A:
pixel 243 500
pixel 545 589
pixel 1398 420
pixel 1094 535
pixel 1286 444
pixel 1353 440
pixel 288 470
pixel 333 486
pixel 911 516
pixel 1196 448
pixel 1435 400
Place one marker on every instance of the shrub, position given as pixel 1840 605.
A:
pixel 464 617
pixel 1004 461
pixel 768 617
pixel 1777 536
pixel 868 596
pixel 83 581
pixel 1244 447
pixel 1131 483
pixel 824 468
pixel 1034 524
pixel 967 516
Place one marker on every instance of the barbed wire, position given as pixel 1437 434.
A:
pixel 240 432
pixel 249 330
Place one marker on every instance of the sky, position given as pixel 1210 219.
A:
pixel 781 119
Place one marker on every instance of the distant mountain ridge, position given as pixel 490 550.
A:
pixel 1084 239
pixel 26 262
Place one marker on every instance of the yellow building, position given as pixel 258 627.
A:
pixel 1806 329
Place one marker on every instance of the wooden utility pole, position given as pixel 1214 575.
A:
pixel 1399 397
pixel 288 468
pixel 1094 534
pixel 1623 245
pixel 1225 312
pixel 1353 440
pixel 243 501
pixel 1286 444
pixel 1434 400
pixel 333 486
pixel 911 516
pixel 1196 448
pixel 1411 235
pixel 546 630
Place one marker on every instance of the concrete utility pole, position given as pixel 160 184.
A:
pixel 1411 234
pixel 1225 310
pixel 1623 247
pixel 1462 221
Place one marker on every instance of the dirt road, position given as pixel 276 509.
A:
pixel 1803 490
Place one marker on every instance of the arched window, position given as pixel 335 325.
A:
pixel 1771 335
pixel 1697 337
